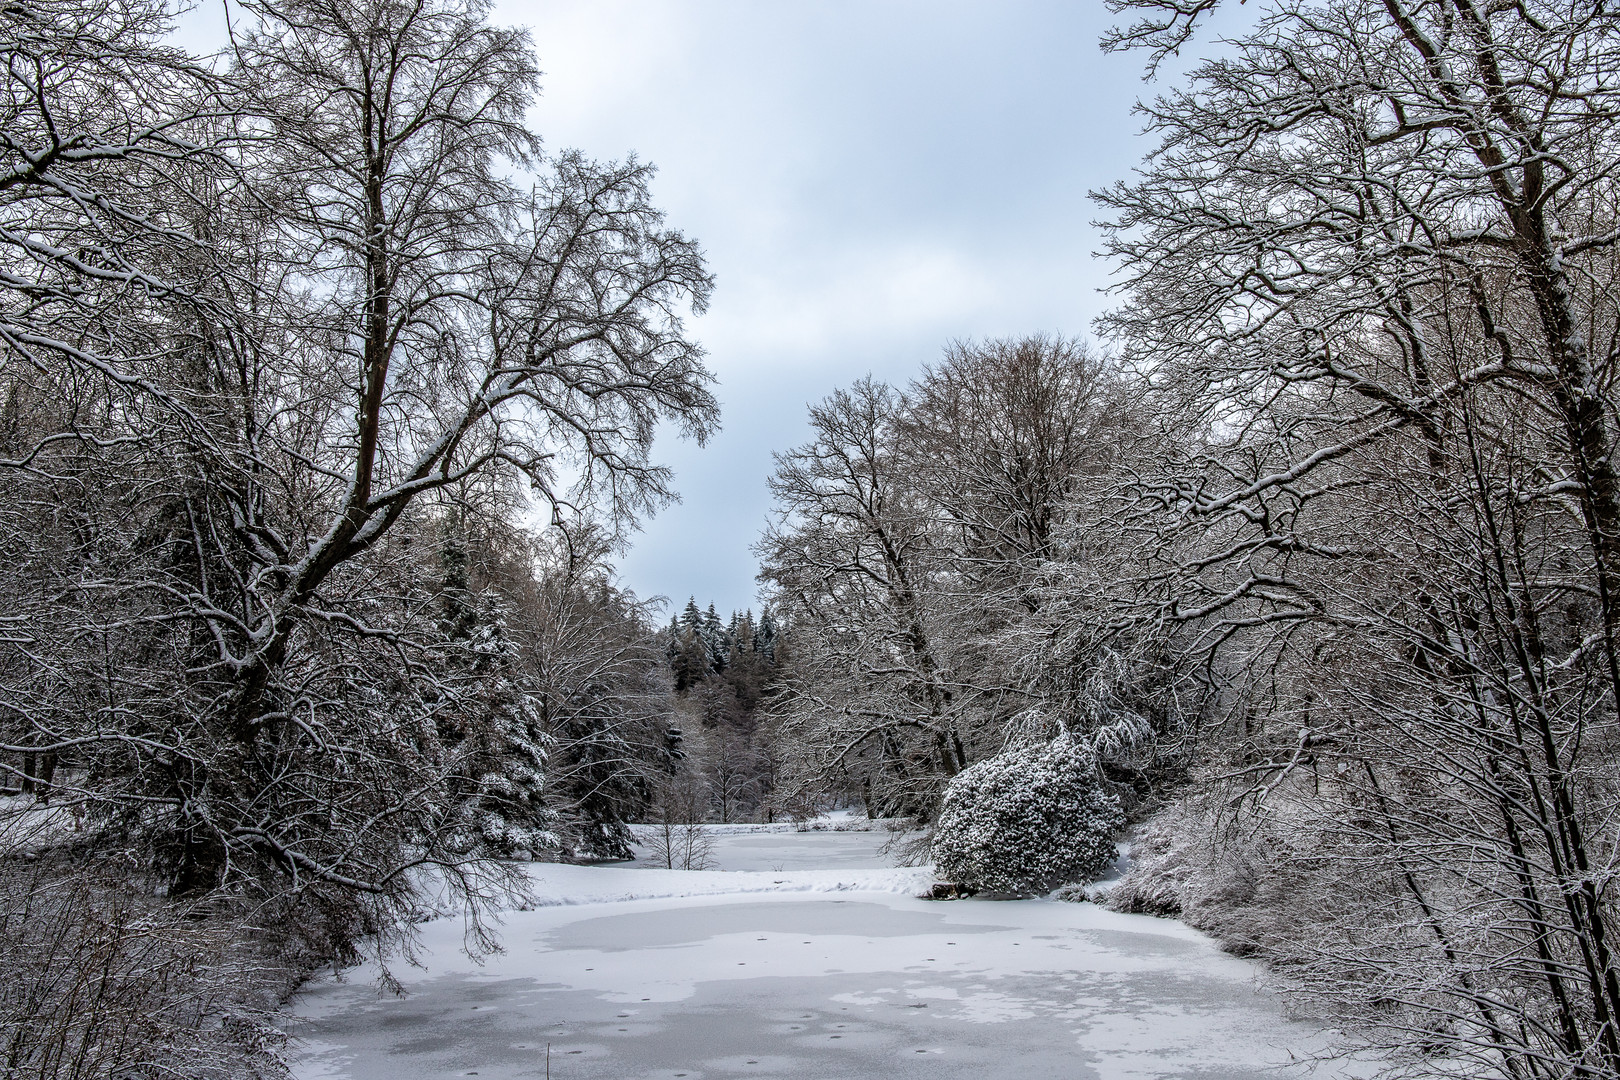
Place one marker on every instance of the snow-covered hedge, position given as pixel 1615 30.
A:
pixel 1027 820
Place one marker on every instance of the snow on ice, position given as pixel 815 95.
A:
pixel 758 970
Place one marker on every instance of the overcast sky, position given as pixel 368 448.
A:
pixel 870 179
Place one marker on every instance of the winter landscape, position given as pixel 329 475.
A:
pixel 831 967
pixel 706 539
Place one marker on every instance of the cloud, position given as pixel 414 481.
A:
pixel 873 294
pixel 869 179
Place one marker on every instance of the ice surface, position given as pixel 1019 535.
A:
pixel 769 848
pixel 840 972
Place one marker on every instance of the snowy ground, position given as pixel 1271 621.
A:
pixel 804 956
pixel 26 825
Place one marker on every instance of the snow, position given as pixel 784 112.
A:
pixel 839 841
pixel 27 825
pixel 558 885
pixel 813 974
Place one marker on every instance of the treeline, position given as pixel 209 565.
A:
pixel 913 552
pixel 294 341
pixel 723 673
pixel 701 648
pixel 1323 564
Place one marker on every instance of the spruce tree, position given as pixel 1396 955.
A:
pixel 691 617
pixel 765 636
pixel 691 663
pixel 714 639
pixel 672 647
pixel 496 752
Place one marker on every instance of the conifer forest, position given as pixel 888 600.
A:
pixel 1283 597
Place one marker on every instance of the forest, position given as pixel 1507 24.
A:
pixel 328 400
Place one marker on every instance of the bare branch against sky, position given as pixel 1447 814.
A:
pixel 868 181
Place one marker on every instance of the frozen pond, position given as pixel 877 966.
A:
pixel 769 969
pixel 781 847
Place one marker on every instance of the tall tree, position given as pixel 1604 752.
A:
pixel 1001 435
pixel 1368 271
pixel 849 555
pixel 374 317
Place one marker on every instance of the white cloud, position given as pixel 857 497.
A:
pixel 877 294
pixel 869 178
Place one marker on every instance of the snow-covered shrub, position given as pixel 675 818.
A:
pixel 1263 885
pixel 1027 820
pixel 1161 873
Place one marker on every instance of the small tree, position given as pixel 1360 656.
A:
pixel 675 838
pixel 1027 820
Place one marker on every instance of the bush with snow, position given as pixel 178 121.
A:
pixel 1027 820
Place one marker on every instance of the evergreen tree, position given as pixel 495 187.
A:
pixel 598 773
pixel 495 751
pixel 672 646
pixel 501 754
pixel 723 670
pixel 456 617
pixel 718 705
pixel 765 637
pixel 748 670
pixel 714 640
pixel 691 662
pixel 691 616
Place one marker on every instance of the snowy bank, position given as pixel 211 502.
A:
pixel 558 884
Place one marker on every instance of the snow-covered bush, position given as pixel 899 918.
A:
pixel 1267 882
pixel 1164 871
pixel 1027 820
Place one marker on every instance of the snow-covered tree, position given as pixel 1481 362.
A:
pixel 875 687
pixel 388 320
pixel 1370 272
pixel 603 694
pixel 715 644
pixel 912 540
pixel 692 616
pixel 764 641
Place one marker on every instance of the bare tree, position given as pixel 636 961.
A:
pixel 1369 275
pixel 1002 435
pixel 603 693
pixel 218 536
pixel 675 836
pixel 848 557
